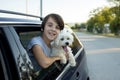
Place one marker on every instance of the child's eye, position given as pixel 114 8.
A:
pixel 50 25
pixel 57 27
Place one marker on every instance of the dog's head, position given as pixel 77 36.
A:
pixel 65 38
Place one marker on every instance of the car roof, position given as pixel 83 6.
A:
pixel 18 20
pixel 4 20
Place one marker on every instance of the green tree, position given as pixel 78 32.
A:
pixel 115 24
pixel 77 26
pixel 82 25
pixel 90 24
pixel 100 16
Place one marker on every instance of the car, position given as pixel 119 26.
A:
pixel 15 33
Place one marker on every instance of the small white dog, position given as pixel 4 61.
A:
pixel 60 46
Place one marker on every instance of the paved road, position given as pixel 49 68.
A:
pixel 103 56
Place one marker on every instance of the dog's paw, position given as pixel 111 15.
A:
pixel 73 64
pixel 63 61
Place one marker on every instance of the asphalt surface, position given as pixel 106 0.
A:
pixel 103 56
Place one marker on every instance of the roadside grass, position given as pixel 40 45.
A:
pixel 107 34
pixel 110 35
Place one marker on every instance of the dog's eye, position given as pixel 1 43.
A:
pixel 62 39
pixel 68 38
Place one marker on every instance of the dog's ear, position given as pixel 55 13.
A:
pixel 57 40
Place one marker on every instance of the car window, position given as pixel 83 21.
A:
pixel 54 70
pixel 25 37
pixel 76 46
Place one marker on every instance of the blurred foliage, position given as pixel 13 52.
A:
pixel 107 15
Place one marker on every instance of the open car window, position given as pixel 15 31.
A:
pixel 25 35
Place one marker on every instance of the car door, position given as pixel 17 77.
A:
pixel 14 56
pixel 8 60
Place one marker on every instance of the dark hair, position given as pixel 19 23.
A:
pixel 56 17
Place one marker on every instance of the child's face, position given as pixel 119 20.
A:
pixel 51 29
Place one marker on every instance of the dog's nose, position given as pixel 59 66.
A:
pixel 67 43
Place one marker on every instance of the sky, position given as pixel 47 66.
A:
pixel 72 11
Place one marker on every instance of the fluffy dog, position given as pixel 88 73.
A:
pixel 61 46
